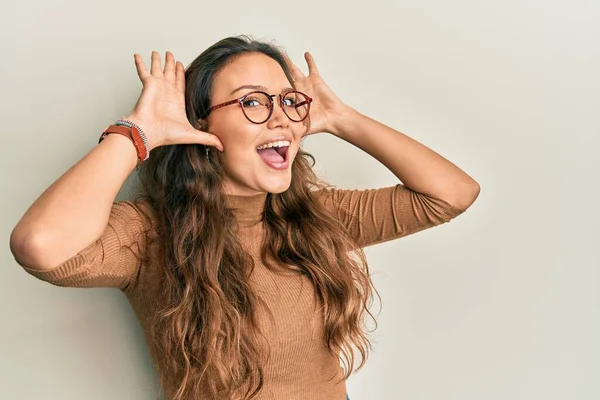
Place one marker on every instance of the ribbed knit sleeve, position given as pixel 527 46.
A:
pixel 113 260
pixel 375 216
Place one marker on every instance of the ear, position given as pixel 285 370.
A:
pixel 202 124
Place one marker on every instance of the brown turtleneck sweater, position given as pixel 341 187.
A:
pixel 300 365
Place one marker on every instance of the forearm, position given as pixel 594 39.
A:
pixel 73 212
pixel 416 166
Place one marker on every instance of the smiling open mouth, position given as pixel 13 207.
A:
pixel 274 154
pixel 275 157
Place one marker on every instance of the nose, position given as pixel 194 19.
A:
pixel 278 117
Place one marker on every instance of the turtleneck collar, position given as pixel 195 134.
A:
pixel 248 209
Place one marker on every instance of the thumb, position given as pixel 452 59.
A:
pixel 204 138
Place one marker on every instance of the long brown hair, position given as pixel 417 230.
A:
pixel 207 331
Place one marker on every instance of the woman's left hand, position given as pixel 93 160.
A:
pixel 326 108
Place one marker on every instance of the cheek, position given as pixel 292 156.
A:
pixel 237 153
pixel 299 133
pixel 236 135
pixel 240 145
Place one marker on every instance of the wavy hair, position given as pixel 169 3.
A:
pixel 207 330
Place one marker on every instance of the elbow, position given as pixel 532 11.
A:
pixel 462 196
pixel 17 246
pixel 24 250
pixel 467 195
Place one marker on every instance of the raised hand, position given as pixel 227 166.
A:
pixel 160 109
pixel 326 107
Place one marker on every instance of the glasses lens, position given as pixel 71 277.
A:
pixel 256 107
pixel 296 106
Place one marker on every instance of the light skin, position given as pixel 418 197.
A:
pixel 415 165
pixel 246 173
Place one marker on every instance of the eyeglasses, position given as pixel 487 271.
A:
pixel 257 106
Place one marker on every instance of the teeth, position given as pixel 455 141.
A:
pixel 281 143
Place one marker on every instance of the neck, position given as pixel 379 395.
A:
pixel 248 209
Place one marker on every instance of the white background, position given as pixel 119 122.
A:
pixel 501 303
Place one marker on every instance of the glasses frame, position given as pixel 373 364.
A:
pixel 240 101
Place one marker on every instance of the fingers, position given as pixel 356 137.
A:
pixel 196 136
pixel 155 68
pixel 216 142
pixel 180 76
pixel 312 66
pixel 173 71
pixel 140 67
pixel 169 66
pixel 294 70
pixel 208 139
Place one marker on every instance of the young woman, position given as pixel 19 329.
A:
pixel 245 270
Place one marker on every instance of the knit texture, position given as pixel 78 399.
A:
pixel 300 366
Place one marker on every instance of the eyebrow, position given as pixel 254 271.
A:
pixel 258 87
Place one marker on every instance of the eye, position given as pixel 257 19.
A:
pixel 251 102
pixel 289 101
pixel 256 100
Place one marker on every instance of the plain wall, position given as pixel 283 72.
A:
pixel 501 303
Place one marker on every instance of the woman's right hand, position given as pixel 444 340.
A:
pixel 160 110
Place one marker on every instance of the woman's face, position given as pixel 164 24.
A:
pixel 248 171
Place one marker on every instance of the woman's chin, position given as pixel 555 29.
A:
pixel 277 185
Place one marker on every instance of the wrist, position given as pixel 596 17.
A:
pixel 122 148
pixel 344 122
pixel 145 128
pixel 135 119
